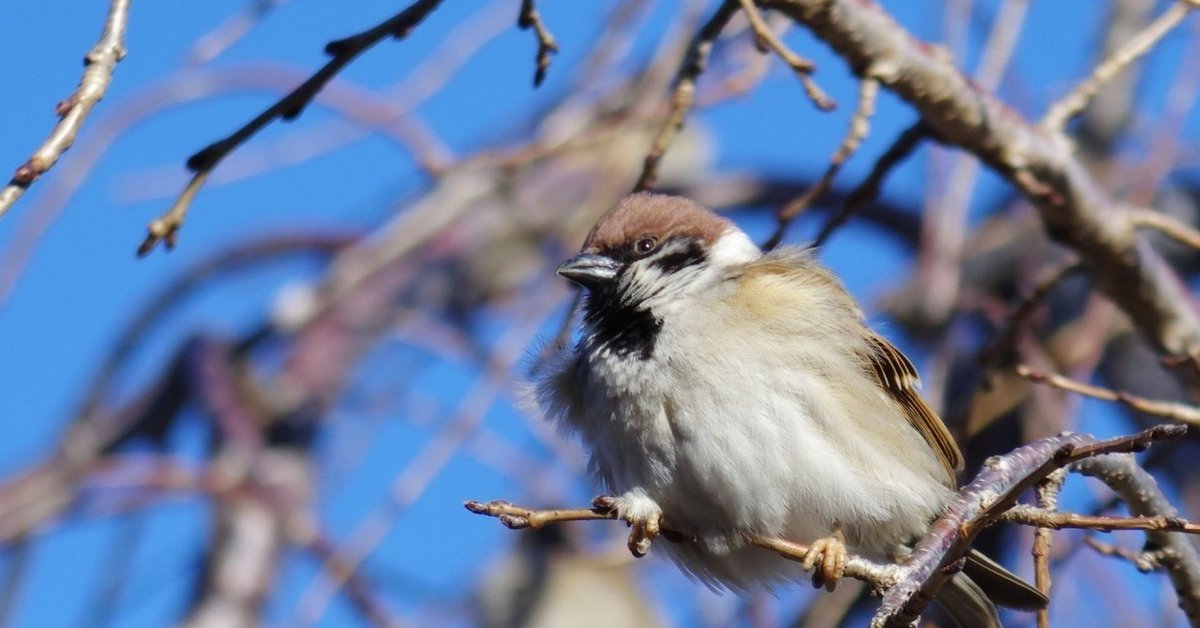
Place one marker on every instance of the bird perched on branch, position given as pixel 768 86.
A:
pixel 724 392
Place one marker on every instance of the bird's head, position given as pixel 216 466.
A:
pixel 652 250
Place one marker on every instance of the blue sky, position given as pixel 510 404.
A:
pixel 82 283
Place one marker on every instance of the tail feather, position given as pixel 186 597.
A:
pixel 966 604
pixel 1002 586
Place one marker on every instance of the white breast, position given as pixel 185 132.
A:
pixel 731 433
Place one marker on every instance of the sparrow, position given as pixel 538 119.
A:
pixel 723 392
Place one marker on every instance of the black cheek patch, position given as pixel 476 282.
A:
pixel 678 260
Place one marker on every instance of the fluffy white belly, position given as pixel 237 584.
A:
pixel 784 457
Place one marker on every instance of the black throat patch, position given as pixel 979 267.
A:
pixel 621 328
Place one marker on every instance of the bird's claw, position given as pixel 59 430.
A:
pixel 641 513
pixel 829 554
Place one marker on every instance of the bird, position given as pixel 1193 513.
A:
pixel 723 392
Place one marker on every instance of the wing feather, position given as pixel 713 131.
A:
pixel 899 379
pixel 894 373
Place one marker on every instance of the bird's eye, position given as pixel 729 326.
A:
pixel 645 245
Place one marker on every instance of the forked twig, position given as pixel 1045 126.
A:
pixel 803 68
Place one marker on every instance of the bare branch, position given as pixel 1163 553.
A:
pixel 530 18
pixel 343 51
pixel 869 189
pixel 803 68
pixel 1074 208
pixel 909 586
pixel 856 132
pixel 685 90
pixel 1044 518
pixel 1137 488
pixel 980 503
pixel 100 63
pixel 1061 112
pixel 1047 497
pixel 1167 409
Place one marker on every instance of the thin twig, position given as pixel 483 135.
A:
pixel 860 125
pixel 868 190
pixel 342 51
pixel 1166 225
pixel 1061 112
pixel 530 18
pixel 1047 497
pixel 803 68
pixel 1045 518
pixel 100 63
pixel 215 42
pixel 685 90
pixel 1041 289
pixel 1175 411
pixel 1144 561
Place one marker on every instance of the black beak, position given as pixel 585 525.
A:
pixel 590 270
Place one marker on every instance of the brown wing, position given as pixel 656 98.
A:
pixel 899 378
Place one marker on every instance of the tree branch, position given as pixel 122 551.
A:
pixel 1074 208
pixel 100 63
pixel 166 228
pixel 911 585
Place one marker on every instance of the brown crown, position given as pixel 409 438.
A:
pixel 656 215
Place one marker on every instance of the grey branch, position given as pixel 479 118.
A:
pixel 1179 556
pixel 1075 209
pixel 911 585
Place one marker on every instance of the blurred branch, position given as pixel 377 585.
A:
pixel 684 93
pixel 223 37
pixel 1074 208
pixel 343 51
pixel 911 585
pixel 856 132
pixel 1180 412
pixel 100 63
pixel 1072 104
pixel 803 68
pixel 865 194
pixel 1006 340
pixel 1166 225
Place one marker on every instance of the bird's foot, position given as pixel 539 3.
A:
pixel 641 513
pixel 828 556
